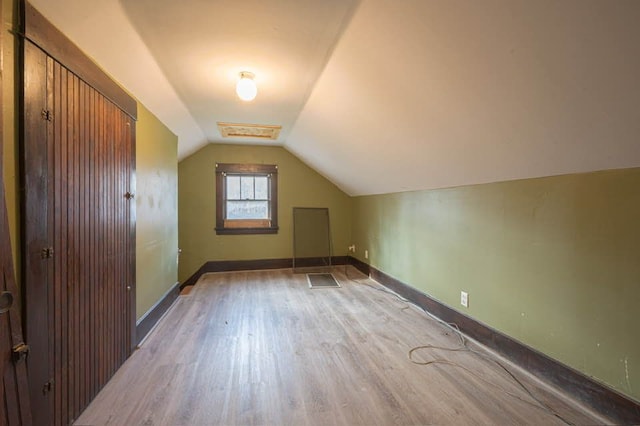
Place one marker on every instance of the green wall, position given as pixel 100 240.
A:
pixel 553 262
pixel 156 210
pixel 298 186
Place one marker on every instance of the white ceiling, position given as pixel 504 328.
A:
pixel 386 95
pixel 202 46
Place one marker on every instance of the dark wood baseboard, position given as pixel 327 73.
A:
pixel 309 262
pixel 153 315
pixel 360 265
pixel 600 397
pixel 257 264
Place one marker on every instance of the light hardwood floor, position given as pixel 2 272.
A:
pixel 260 347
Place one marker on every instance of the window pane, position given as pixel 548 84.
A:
pixel 262 188
pixel 246 188
pixel 247 210
pixel 233 187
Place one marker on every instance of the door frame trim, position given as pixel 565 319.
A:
pixel 39 31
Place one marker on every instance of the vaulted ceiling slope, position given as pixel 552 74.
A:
pixel 183 58
pixel 384 95
pixel 203 46
pixel 426 94
pixel 101 29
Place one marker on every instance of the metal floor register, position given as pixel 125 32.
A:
pixel 322 281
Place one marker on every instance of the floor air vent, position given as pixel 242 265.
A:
pixel 322 281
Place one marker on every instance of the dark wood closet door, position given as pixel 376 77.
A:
pixel 80 238
pixel 14 394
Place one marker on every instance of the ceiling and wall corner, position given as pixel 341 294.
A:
pixel 202 47
pixel 383 96
pixel 427 94
pixel 103 31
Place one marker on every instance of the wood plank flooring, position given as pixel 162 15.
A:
pixel 260 347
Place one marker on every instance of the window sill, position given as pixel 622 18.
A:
pixel 246 231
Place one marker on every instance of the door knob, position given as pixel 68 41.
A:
pixel 20 351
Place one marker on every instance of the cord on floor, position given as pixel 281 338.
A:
pixel 464 347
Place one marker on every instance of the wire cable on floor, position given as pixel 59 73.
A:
pixel 464 347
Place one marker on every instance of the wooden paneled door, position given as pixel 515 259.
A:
pixel 79 245
pixel 14 392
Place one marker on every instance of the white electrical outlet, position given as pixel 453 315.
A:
pixel 366 254
pixel 464 299
pixel 352 248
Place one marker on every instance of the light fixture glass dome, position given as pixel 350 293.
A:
pixel 246 87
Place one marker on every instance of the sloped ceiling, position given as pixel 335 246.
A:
pixel 202 46
pixel 385 95
pixel 101 29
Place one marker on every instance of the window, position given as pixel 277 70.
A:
pixel 246 199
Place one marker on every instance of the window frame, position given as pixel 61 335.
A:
pixel 222 170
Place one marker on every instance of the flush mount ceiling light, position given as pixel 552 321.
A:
pixel 246 87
